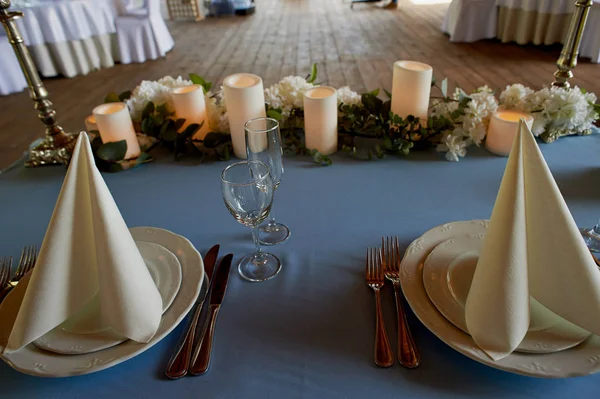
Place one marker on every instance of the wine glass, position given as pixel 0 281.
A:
pixel 592 237
pixel 263 143
pixel 248 194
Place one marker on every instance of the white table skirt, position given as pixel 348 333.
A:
pixel 69 37
pixel 541 22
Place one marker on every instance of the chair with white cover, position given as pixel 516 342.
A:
pixel 11 78
pixel 471 20
pixel 590 41
pixel 142 33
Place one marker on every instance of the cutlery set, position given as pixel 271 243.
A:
pixel 188 358
pixel 384 263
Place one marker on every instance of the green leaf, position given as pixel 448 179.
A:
pixel 168 131
pixel 147 126
pixel 125 95
pixel 143 158
pixel 226 154
pixel 163 111
pixel 199 80
pixel 463 97
pixel 271 113
pixel 113 152
pixel 158 120
pixel 374 92
pixel 444 87
pixel 112 97
pixel 371 103
pixel 433 81
pixel 148 110
pixel 387 93
pixel 113 167
pixel 179 123
pixel 213 139
pixel 313 74
pixel 191 129
pixel 96 143
pixel 319 158
pixel 387 143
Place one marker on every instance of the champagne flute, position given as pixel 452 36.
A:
pixel 248 194
pixel 263 143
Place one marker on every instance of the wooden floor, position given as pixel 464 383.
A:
pixel 284 37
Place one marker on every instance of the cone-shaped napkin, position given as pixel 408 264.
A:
pixel 87 255
pixel 532 247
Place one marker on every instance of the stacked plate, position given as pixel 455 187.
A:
pixel 77 346
pixel 436 275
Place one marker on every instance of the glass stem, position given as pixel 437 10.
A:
pixel 256 240
pixel 272 222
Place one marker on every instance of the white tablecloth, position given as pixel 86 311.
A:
pixel 69 37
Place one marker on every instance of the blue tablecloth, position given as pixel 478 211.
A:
pixel 309 332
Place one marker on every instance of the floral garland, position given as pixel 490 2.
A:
pixel 456 121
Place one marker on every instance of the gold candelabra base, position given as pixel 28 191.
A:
pixel 57 147
pixel 568 56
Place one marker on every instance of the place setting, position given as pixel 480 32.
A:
pixel 98 292
pixel 517 292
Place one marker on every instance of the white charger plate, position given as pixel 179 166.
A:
pixel 34 361
pixel 581 360
pixel 447 276
pixel 80 334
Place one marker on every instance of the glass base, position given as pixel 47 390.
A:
pixel 271 234
pixel 592 240
pixel 256 270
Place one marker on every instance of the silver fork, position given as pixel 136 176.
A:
pixel 408 354
pixel 5 266
pixel 374 276
pixel 26 263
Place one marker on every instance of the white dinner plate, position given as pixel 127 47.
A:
pixel 584 359
pixel 34 361
pixel 447 276
pixel 81 334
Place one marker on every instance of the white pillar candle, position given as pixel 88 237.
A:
pixel 114 124
pixel 410 89
pixel 190 105
pixel 321 119
pixel 90 123
pixel 245 100
pixel 503 129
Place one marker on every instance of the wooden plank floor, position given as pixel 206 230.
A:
pixel 355 48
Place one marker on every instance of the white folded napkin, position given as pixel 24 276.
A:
pixel 88 260
pixel 532 248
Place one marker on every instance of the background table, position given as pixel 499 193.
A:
pixel 309 332
pixel 534 21
pixel 541 22
pixel 69 37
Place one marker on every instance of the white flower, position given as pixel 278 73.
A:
pixel 348 97
pixel 441 107
pixel 561 111
pixel 477 114
pixel 159 92
pixel 514 96
pixel 287 94
pixel 217 112
pixel 455 146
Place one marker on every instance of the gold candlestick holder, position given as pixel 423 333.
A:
pixel 57 146
pixel 568 56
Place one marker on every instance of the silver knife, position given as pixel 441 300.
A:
pixel 180 360
pixel 219 286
